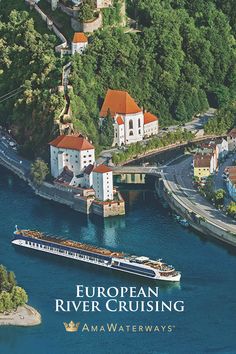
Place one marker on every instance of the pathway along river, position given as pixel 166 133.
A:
pixel 208 284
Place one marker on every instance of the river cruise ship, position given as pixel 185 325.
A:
pixel 138 265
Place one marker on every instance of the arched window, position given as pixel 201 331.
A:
pixel 131 133
pixel 131 125
pixel 139 123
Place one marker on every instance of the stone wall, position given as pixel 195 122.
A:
pixel 50 25
pixel 88 27
pixel 197 222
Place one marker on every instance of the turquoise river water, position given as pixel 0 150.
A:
pixel 207 287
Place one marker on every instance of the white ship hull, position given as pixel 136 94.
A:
pixel 142 269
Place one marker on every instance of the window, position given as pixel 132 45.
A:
pixel 139 131
pixel 66 160
pixel 131 133
pixel 66 154
pixel 131 125
pixel 139 123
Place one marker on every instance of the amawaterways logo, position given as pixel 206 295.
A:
pixel 117 328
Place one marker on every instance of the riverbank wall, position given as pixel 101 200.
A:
pixel 66 195
pixel 196 221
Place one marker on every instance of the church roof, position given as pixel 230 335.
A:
pixel 72 142
pixel 149 118
pixel 79 37
pixel 119 102
pixel 119 120
pixel 102 169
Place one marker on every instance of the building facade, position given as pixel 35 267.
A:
pixel 72 152
pixel 223 147
pixel 203 165
pixel 101 4
pixel 103 183
pixel 231 139
pixel 79 43
pixel 130 123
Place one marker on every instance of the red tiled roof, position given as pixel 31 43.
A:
pixel 201 160
pixel 72 142
pixel 232 133
pixel 102 169
pixel 79 37
pixel 149 118
pixel 119 102
pixel 120 120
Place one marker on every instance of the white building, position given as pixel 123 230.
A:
pixel 54 4
pixel 151 125
pixel 223 147
pixel 129 121
pixel 103 182
pixel 231 139
pixel 101 4
pixel 70 151
pixel 79 43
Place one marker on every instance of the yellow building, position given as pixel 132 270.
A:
pixel 203 165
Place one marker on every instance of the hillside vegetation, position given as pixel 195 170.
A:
pixel 27 61
pixel 182 60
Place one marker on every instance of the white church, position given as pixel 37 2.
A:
pixel 130 123
pixel 72 160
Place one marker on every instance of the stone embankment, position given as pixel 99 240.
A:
pixel 23 316
pixel 66 195
pixel 200 218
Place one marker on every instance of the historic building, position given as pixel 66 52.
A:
pixel 73 166
pixel 70 151
pixel 79 43
pixel 231 138
pixel 130 123
pixel 103 182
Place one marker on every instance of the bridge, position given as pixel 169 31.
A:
pixel 147 170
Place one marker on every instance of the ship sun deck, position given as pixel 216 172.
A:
pixel 69 243
pixel 158 265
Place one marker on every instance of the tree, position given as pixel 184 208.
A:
pixel 5 301
pixel 18 296
pixel 219 196
pixel 4 280
pixel 231 209
pixel 86 12
pixel 107 131
pixel 39 171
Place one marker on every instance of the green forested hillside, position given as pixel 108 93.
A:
pixel 182 60
pixel 27 60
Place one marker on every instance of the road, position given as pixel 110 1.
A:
pixel 11 154
pixel 179 181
